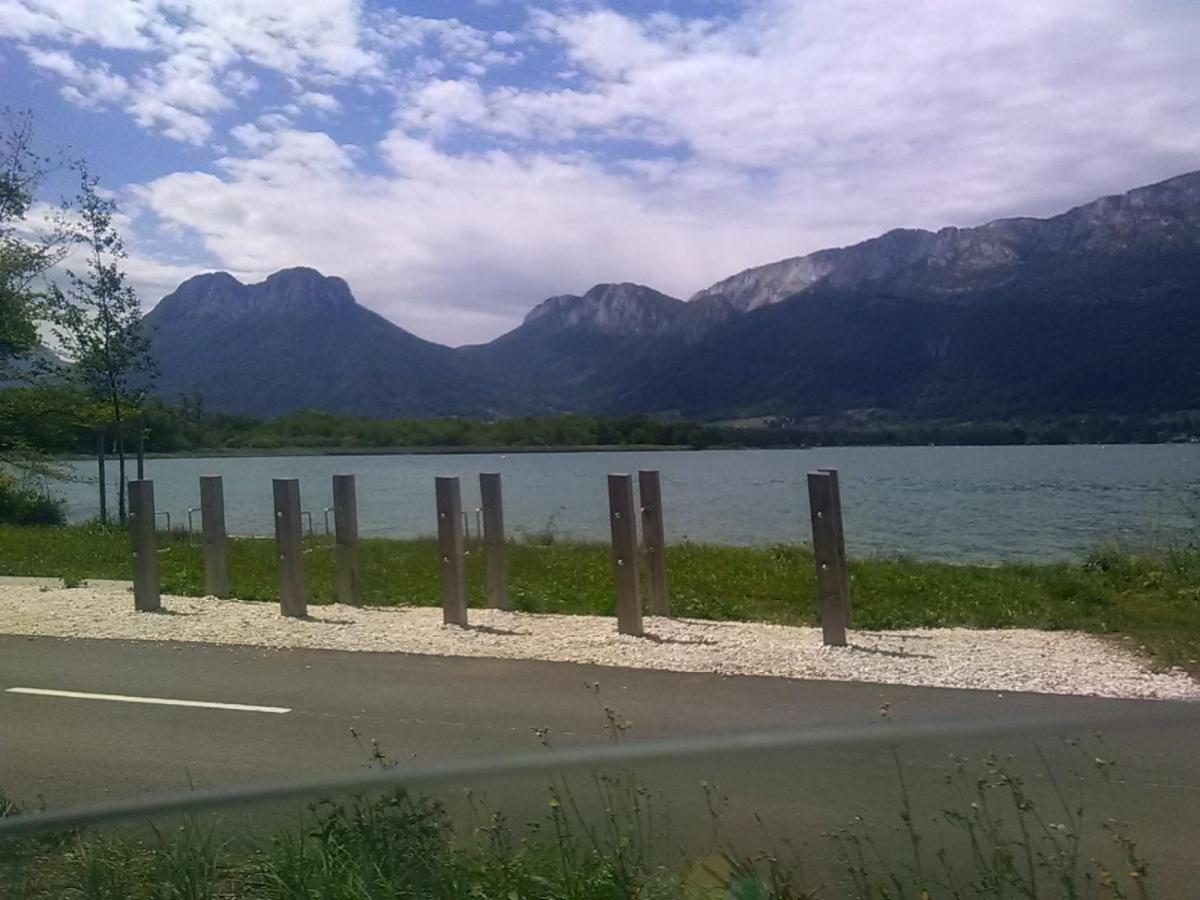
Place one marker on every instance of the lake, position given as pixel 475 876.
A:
pixel 951 503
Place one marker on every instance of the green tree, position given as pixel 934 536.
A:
pixel 97 319
pixel 27 250
pixel 20 259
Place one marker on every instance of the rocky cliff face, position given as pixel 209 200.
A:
pixel 299 340
pixel 218 295
pixel 628 310
pixel 613 309
pixel 956 261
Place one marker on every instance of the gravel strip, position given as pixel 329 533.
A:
pixel 1058 662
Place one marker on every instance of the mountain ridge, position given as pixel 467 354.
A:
pixel 913 297
pixel 248 348
pixel 990 246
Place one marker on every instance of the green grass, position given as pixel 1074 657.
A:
pixel 607 837
pixel 1152 599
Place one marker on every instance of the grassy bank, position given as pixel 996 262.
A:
pixel 1151 599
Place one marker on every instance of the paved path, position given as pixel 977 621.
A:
pixel 74 750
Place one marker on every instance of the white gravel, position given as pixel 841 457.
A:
pixel 996 660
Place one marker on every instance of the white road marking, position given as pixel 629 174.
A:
pixel 157 701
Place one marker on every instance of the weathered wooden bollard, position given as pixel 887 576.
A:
pixel 289 548
pixel 345 526
pixel 624 554
pixel 213 543
pixel 654 540
pixel 146 597
pixel 825 555
pixel 839 528
pixel 450 552
pixel 495 560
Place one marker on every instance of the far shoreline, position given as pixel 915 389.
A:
pixel 252 452
pixel 255 452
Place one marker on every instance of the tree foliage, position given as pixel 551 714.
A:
pixel 27 251
pixel 97 318
pixel 21 503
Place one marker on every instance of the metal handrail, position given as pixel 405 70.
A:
pixel 167 514
pixel 191 511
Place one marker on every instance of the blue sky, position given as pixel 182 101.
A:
pixel 459 162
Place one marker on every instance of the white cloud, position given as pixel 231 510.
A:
pixel 186 51
pixel 607 43
pixel 319 100
pixel 672 150
pixel 453 247
pixel 91 87
pixel 120 24
pixel 189 56
pixel 241 84
pixel 172 121
pixel 871 92
pixel 437 104
pixel 388 29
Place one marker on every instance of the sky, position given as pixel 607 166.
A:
pixel 458 162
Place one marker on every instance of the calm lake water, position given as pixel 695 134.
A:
pixel 952 503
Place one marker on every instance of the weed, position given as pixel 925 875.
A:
pixel 546 536
pixel 991 838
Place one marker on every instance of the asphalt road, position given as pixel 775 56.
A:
pixel 68 750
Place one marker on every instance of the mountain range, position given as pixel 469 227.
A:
pixel 1096 310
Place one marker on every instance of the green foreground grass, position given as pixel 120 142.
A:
pixel 1151 599
pixel 990 832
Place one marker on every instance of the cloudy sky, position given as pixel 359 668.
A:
pixel 457 162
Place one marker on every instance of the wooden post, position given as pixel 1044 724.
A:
pixel 494 559
pixel 450 552
pixel 829 589
pixel 840 531
pixel 145 553
pixel 289 548
pixel 654 540
pixel 345 525
pixel 103 481
pixel 624 554
pixel 213 542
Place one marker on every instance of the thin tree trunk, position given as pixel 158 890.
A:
pixel 141 451
pixel 121 470
pixel 103 482
pixel 120 424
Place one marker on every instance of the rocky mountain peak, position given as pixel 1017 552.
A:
pixel 613 309
pixel 956 261
pixel 297 291
pixel 302 286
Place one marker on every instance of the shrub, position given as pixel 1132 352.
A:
pixel 21 504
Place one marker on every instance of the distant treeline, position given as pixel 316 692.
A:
pixel 317 430
pixel 67 424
